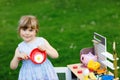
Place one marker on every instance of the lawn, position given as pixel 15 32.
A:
pixel 68 25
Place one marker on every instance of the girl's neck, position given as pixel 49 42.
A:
pixel 31 41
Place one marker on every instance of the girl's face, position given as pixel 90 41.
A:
pixel 28 35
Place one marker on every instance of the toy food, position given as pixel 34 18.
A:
pixel 37 56
pixel 85 74
pixel 85 58
pixel 92 76
pixel 93 65
pixel 101 71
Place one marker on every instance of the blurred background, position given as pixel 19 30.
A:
pixel 68 25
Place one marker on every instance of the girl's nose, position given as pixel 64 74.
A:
pixel 26 32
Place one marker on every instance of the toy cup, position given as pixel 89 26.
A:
pixel 37 56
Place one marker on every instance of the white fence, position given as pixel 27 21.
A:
pixel 64 70
pixel 104 57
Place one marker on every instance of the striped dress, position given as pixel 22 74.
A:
pixel 32 71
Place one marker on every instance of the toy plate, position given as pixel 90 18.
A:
pixel 37 56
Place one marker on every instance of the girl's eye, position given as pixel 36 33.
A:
pixel 24 29
pixel 30 30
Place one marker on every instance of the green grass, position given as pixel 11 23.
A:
pixel 67 24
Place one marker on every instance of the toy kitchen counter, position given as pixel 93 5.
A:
pixel 82 73
pixel 77 70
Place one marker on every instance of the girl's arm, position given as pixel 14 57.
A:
pixel 17 57
pixel 14 62
pixel 49 49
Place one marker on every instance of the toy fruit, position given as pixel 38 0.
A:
pixel 92 76
pixel 93 65
pixel 101 71
pixel 37 56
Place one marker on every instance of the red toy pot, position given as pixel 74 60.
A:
pixel 37 56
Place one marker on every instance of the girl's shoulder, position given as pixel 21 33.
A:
pixel 21 43
pixel 41 38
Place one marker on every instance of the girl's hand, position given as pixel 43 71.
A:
pixel 22 56
pixel 42 48
pixel 52 52
pixel 17 57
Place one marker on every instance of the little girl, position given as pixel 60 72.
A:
pixel 28 28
